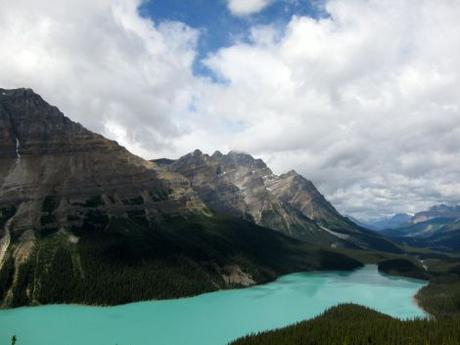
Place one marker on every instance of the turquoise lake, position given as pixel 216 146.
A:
pixel 213 318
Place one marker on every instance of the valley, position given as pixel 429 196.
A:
pixel 226 315
pixel 84 221
pixel 231 172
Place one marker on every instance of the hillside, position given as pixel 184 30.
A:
pixel 396 221
pixel 437 228
pixel 242 186
pixel 83 220
pixel 356 325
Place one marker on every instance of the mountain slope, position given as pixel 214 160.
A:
pixel 396 221
pixel 436 228
pixel 442 234
pixel 437 211
pixel 82 220
pixel 239 185
pixel 354 324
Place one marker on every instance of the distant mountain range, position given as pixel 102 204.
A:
pixel 436 228
pixel 82 220
pixel 395 221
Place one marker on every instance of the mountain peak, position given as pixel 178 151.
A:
pixel 197 152
pixel 238 184
pixel 444 207
pixel 245 159
pixel 21 96
pixel 217 154
pixel 28 121
pixel 17 92
pixel 291 172
pixel 45 153
pixel 239 155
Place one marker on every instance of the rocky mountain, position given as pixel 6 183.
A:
pixel 239 185
pixel 437 211
pixel 83 220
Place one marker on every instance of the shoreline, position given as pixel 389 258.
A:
pixel 420 305
pixel 83 305
pixel 181 297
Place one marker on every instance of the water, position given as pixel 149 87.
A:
pixel 213 318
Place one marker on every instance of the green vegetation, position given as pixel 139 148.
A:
pixel 50 203
pixel 47 219
pixel 121 260
pixel 134 201
pixel 94 201
pixel 6 275
pixel 441 297
pixel 403 267
pixel 355 325
pixel 5 214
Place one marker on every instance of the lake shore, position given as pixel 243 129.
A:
pixel 228 314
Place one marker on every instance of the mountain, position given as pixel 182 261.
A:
pixel 393 222
pixel 446 238
pixel 437 211
pixel 82 220
pixel 361 324
pixel 442 234
pixel 437 228
pixel 239 185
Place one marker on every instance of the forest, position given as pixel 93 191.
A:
pixel 176 258
pixel 349 324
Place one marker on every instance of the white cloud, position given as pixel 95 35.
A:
pixel 246 7
pixel 101 63
pixel 365 102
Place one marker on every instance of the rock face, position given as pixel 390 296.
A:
pixel 53 170
pixel 239 185
pixel 82 220
pixel 56 176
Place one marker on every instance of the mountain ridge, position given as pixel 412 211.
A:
pixel 240 185
pixel 436 228
pixel 82 220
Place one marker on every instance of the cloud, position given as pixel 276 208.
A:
pixel 246 7
pixel 103 65
pixel 365 101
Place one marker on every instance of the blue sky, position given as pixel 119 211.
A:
pixel 363 100
pixel 219 27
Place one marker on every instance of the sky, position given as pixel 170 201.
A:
pixel 360 96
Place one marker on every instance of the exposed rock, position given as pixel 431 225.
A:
pixel 239 185
pixel 54 169
pixel 82 220
pixel 55 175
pixel 234 276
